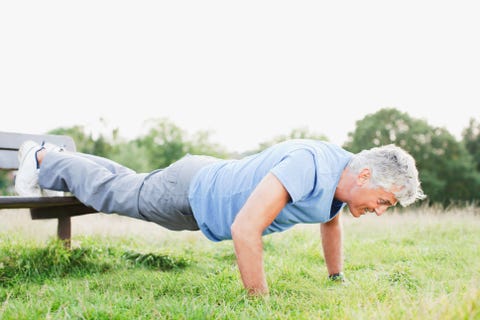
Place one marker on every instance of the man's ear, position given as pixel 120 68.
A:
pixel 363 176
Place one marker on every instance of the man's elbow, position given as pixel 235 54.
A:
pixel 237 229
pixel 243 230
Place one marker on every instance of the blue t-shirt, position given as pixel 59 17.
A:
pixel 308 169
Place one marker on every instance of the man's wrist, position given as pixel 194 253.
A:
pixel 337 276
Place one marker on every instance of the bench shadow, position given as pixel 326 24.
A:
pixel 36 265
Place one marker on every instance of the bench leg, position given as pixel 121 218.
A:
pixel 64 230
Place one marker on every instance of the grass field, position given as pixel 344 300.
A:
pixel 414 265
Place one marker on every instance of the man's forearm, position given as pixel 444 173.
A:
pixel 332 236
pixel 249 252
pixel 258 212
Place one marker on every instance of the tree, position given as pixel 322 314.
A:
pixel 165 143
pixel 200 144
pixel 471 139
pixel 446 169
pixel 5 182
pixel 83 141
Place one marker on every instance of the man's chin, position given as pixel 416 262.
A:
pixel 356 214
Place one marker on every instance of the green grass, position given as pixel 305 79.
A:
pixel 398 266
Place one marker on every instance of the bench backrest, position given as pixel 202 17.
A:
pixel 11 141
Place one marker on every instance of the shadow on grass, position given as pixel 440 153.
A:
pixel 155 261
pixel 20 264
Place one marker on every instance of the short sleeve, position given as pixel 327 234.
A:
pixel 296 172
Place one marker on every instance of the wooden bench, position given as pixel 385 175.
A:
pixel 61 208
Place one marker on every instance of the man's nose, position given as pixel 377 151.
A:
pixel 380 210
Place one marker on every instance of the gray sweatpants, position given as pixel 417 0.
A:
pixel 160 196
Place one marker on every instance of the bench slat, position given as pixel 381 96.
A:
pixel 60 212
pixel 16 202
pixel 9 160
pixel 47 207
pixel 12 140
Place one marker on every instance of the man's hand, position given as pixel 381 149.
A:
pixel 337 277
pixel 260 209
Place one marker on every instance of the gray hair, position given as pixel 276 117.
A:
pixel 392 169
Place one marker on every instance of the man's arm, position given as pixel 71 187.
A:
pixel 332 236
pixel 260 209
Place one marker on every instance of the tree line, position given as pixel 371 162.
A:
pixel 449 168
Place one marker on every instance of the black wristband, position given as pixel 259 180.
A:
pixel 336 276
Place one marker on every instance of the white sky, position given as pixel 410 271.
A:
pixel 246 70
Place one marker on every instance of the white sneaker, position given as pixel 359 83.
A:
pixel 26 180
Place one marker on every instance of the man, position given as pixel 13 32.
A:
pixel 296 181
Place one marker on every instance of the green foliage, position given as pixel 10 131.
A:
pixel 132 155
pixel 471 139
pixel 30 263
pixel 446 168
pixel 5 182
pixel 83 141
pixel 103 145
pixel 155 261
pixel 165 143
pixel 37 264
pixel 200 144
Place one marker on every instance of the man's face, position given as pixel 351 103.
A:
pixel 366 199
